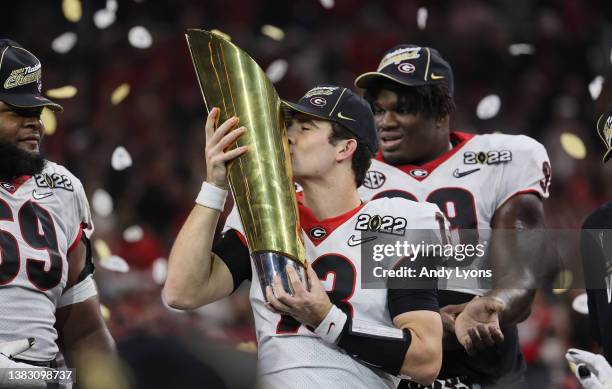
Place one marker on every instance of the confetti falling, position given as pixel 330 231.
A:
pixel 49 121
pixel 65 92
pixel 422 14
pixel 160 270
pixel 562 281
pixel 64 43
pixel 221 34
pixel 103 18
pixel 105 312
pixel 120 93
pixel 121 158
pixel 112 5
pixel 140 37
pixel 573 145
pixel 521 49
pixel 102 203
pixel 115 263
pixel 72 10
pixel 327 4
pixel 595 87
pixel 133 234
pixel 102 249
pixel 581 304
pixel 273 32
pixel 277 70
pixel 488 107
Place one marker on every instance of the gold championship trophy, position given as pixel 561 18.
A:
pixel 260 180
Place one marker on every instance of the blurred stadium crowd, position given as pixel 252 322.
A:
pixel 546 61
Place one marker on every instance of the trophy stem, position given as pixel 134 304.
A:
pixel 269 264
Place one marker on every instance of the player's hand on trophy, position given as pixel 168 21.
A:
pixel 449 314
pixel 592 370
pixel 477 327
pixel 218 143
pixel 309 307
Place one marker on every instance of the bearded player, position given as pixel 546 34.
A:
pixel 480 182
pixel 348 337
pixel 47 294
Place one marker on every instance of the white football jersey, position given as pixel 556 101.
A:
pixel 469 183
pixel 292 356
pixel 41 218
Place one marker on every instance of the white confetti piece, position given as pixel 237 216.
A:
pixel 581 304
pixel 133 234
pixel 277 70
pixel 160 270
pixel 273 32
pixel 422 14
pixel 112 5
pixel 328 4
pixel 105 312
pixel 115 263
pixel 121 159
pixel 140 37
pixel 595 87
pixel 488 107
pixel 102 249
pixel 103 18
pixel 64 92
pixel 102 203
pixel 573 145
pixel 521 49
pixel 64 43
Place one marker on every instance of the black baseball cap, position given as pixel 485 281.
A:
pixel 410 65
pixel 342 106
pixel 21 78
pixel 604 129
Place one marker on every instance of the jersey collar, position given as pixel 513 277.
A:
pixel 421 172
pixel 14 184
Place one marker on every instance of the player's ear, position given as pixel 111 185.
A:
pixel 345 149
pixel 441 121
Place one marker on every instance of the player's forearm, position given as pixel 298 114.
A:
pixel 424 357
pixel 190 261
pixel 514 304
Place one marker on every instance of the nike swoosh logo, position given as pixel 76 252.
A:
pixel 434 76
pixel 331 325
pixel 40 196
pixel 458 174
pixel 341 116
pixel 356 242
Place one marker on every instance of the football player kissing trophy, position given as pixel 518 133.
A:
pixel 260 180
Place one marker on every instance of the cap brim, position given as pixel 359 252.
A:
pixel 306 110
pixel 365 80
pixel 30 101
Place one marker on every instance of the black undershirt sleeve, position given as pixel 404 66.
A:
pixel 235 254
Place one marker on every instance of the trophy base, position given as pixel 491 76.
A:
pixel 269 264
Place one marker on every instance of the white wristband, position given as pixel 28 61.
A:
pixel 331 327
pixel 211 196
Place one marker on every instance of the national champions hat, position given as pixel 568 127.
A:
pixel 411 65
pixel 21 78
pixel 342 106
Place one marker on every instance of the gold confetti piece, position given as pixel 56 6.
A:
pixel 49 121
pixel 573 145
pixel 562 281
pixel 248 347
pixel 65 92
pixel 102 249
pixel 72 10
pixel 273 32
pixel 120 93
pixel 105 312
pixel 221 34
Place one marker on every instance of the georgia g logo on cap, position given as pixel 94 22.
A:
pixel 406 67
pixel 318 101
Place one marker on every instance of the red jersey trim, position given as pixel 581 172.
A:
pixel 76 240
pixel 18 182
pixel 242 238
pixel 459 138
pixel 309 222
